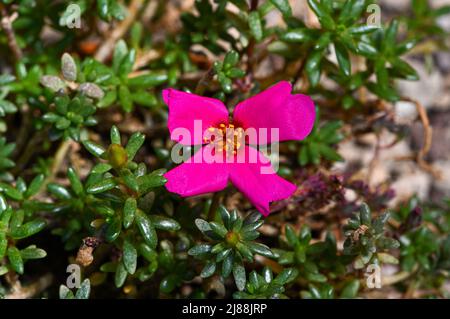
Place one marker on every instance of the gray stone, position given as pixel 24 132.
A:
pixel 427 90
pixel 398 5
pixel 443 61
pixel 405 111
pixel 441 186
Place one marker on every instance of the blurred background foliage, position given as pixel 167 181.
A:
pixel 84 146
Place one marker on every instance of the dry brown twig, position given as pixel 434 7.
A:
pixel 24 292
pixel 204 81
pixel 375 159
pixel 107 47
pixel 145 58
pixel 60 156
pixel 428 138
pixel 6 23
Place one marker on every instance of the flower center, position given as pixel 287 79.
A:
pixel 232 238
pixel 226 137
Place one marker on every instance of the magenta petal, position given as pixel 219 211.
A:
pixel 185 108
pixel 195 176
pixel 260 189
pixel 276 107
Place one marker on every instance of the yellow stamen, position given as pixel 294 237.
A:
pixel 229 141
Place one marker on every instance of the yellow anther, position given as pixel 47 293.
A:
pixel 227 141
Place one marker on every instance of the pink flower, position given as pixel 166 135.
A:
pixel 274 108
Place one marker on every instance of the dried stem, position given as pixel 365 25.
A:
pixel 428 137
pixel 105 50
pixel 6 23
pixel 396 278
pixel 374 161
pixel 32 290
pixel 145 58
pixel 60 155
pixel 28 150
pixel 204 82
pixel 12 278
pixel 56 165
pixel 301 68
